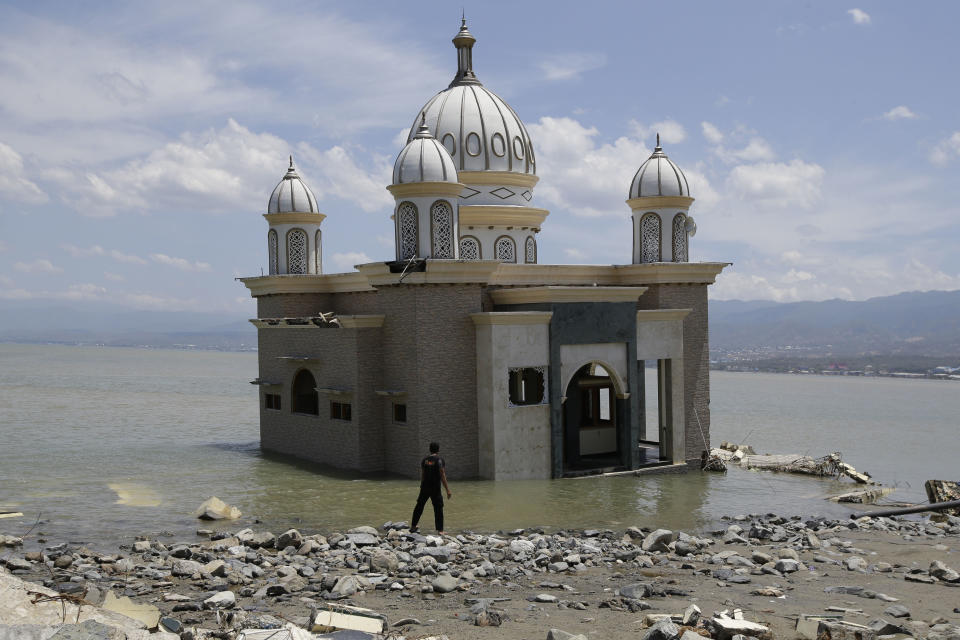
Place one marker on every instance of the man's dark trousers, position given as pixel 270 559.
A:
pixel 436 497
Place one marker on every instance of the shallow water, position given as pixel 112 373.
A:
pixel 108 443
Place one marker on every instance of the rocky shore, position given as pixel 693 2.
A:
pixel 754 577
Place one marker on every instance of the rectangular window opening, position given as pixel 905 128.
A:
pixel 271 401
pixel 340 411
pixel 527 386
pixel 399 413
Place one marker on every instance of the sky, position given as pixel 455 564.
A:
pixel 140 142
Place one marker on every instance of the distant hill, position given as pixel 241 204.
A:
pixel 913 323
pixel 30 321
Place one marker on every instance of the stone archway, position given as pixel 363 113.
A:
pixel 304 394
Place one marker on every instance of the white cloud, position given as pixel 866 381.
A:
pixel 13 182
pixel 711 133
pixel 119 256
pixel 179 263
pixel 225 170
pixel 577 255
pixel 859 16
pixel 342 176
pixel 5 281
pixel 346 261
pixel 670 131
pixel 901 112
pixel 41 265
pixel 756 150
pixel 80 252
pixel 794 184
pixel 579 175
pixel 116 277
pixel 946 150
pixel 567 66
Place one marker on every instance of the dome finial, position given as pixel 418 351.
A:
pixel 659 148
pixel 291 162
pixel 424 130
pixel 463 41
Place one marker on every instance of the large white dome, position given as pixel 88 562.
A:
pixel 478 129
pixel 292 195
pixel 659 176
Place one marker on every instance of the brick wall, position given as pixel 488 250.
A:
pixel 293 305
pixel 696 356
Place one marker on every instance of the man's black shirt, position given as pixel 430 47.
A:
pixel 431 466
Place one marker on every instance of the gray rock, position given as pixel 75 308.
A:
pixel 683 548
pixel 787 565
pixel 663 630
pixel 363 539
pixel 657 540
pixel 186 568
pixel 636 591
pixel 759 557
pixel 547 598
pixel 263 539
pixel 63 561
pixel 221 600
pixel 856 563
pixel 558 567
pixel 884 628
pixel 384 560
pixel 941 571
pixel 86 630
pixel 16 563
pixel 522 546
pixel 445 583
pixel 897 611
pixel 691 616
pixel 557 634
pixel 289 538
pixel 346 586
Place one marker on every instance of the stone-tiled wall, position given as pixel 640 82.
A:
pixel 318 438
pixel 426 348
pixel 696 356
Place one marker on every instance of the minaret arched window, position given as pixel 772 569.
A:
pixel 304 394
pixel 272 251
pixel 441 221
pixel 296 251
pixel 679 238
pixel 530 251
pixel 505 250
pixel 650 238
pixel 470 248
pixel 407 232
pixel 317 254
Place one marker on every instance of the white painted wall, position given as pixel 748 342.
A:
pixel 514 441
pixel 666 232
pixel 425 242
pixel 488 238
pixel 660 337
pixel 282 229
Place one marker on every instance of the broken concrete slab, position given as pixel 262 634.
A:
pixel 863 496
pixel 725 627
pixel 337 617
pixel 216 509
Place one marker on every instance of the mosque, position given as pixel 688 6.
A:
pixel 519 369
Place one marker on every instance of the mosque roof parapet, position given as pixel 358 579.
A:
pixel 490 272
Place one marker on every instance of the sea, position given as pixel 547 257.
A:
pixel 99 445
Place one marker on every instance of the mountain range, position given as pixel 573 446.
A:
pixel 913 323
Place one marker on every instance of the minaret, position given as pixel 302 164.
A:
pixel 427 193
pixel 294 239
pixel 660 200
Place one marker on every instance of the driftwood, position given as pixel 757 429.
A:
pixel 943 491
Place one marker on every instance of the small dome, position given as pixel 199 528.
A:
pixel 292 195
pixel 659 176
pixel 424 160
pixel 476 127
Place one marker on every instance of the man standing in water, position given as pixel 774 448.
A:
pixel 432 475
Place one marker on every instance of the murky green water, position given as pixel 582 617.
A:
pixel 108 443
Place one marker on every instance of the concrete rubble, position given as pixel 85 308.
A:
pixel 250 584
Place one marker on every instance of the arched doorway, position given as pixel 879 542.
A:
pixel 304 394
pixel 591 420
